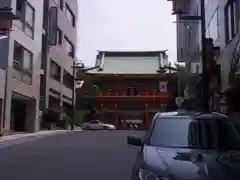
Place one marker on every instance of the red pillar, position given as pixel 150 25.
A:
pixel 146 117
pixel 101 113
pixel 116 116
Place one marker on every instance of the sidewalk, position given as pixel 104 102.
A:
pixel 20 138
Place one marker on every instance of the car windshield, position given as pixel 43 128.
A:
pixel 194 133
pixel 94 122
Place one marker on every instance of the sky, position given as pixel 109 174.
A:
pixel 125 25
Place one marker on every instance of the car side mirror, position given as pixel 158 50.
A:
pixel 135 141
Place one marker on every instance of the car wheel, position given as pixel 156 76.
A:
pixel 105 127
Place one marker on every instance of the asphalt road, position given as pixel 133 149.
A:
pixel 87 155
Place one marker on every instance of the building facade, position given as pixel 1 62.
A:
pixel 20 67
pixel 34 74
pixel 57 60
pixel 131 87
pixel 222 25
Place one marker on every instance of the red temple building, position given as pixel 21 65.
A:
pixel 131 86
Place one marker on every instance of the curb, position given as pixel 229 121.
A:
pixel 37 134
pixel 6 141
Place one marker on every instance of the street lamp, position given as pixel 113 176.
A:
pixel 205 88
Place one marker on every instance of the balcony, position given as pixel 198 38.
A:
pixel 139 95
pixel 142 97
pixel 124 96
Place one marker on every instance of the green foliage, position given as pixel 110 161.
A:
pixel 88 87
pixel 84 100
pixel 81 116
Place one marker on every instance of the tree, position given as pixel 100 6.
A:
pixel 84 97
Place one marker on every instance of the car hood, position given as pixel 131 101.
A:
pixel 108 125
pixel 182 164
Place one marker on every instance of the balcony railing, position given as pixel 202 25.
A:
pixel 141 94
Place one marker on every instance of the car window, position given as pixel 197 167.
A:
pixel 194 133
pixel 94 122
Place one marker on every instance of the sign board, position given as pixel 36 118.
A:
pixel 53 26
pixel 163 86
pixel 137 121
pixel 79 84
pixel 179 101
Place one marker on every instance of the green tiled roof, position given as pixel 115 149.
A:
pixel 128 62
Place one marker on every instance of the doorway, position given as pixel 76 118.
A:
pixel 18 115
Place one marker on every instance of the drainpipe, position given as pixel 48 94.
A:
pixel 73 96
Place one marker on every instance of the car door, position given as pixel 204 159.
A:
pixel 94 124
pixel 99 125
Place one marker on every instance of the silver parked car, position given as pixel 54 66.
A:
pixel 97 125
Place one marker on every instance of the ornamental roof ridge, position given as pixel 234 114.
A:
pixel 132 51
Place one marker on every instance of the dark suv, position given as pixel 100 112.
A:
pixel 188 146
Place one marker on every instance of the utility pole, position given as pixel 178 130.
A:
pixel 73 96
pixel 205 70
pixel 205 78
pixel 80 68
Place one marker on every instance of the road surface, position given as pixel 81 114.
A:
pixel 86 155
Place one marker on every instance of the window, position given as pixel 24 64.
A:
pixel 27 63
pixel 129 91
pixel 70 15
pixel 55 71
pixel 29 20
pixel 213 27
pixel 194 133
pixel 59 36
pixel 69 47
pixel 94 122
pixel 67 79
pixel 231 19
pixel 20 9
pixel 18 56
pixel 196 12
pixel 135 91
pixel 22 58
pixel 27 17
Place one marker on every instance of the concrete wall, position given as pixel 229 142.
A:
pixel 33 45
